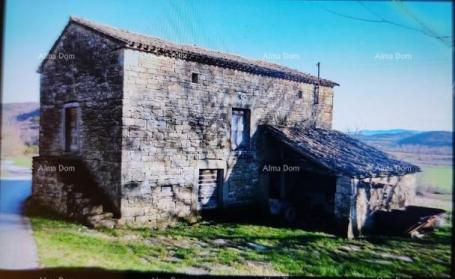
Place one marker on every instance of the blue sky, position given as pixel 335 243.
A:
pixel 392 75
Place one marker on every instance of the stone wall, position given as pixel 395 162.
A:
pixel 172 126
pixel 48 189
pixel 145 129
pixel 344 200
pixel 85 68
pixel 356 200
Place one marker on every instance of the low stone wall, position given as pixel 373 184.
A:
pixel 50 183
pixel 343 202
pixel 60 181
pixel 356 200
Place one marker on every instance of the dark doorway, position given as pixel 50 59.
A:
pixel 299 191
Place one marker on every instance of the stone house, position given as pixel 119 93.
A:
pixel 139 130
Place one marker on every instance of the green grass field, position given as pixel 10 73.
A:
pixel 242 249
pixel 440 178
pixel 235 249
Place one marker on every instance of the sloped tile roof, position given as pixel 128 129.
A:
pixel 340 153
pixel 193 53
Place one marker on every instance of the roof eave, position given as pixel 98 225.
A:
pixel 226 63
pixel 41 65
pixel 397 168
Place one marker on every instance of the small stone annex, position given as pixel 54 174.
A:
pixel 140 131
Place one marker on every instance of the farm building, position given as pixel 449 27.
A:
pixel 137 130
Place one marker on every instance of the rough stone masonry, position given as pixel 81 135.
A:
pixel 150 115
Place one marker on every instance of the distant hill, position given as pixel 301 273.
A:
pixel 383 138
pixel 430 139
pixel 28 115
pixel 399 137
pixel 387 132
pixel 24 119
pixel 418 147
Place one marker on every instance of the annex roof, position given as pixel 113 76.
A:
pixel 339 153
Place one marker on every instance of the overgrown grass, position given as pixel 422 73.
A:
pixel 228 248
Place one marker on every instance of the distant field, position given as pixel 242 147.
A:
pixel 9 165
pixel 439 178
pixel 20 161
pixel 25 162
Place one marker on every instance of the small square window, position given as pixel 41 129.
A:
pixel 194 78
pixel 300 94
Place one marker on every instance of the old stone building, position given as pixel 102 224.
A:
pixel 146 131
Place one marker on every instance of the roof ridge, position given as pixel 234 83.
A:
pixel 90 23
pixel 148 43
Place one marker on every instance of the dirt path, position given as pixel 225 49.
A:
pixel 18 249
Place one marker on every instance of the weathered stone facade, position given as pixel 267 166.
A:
pixel 172 127
pixel 92 77
pixel 146 126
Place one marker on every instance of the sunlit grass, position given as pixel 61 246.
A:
pixel 438 177
pixel 229 248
